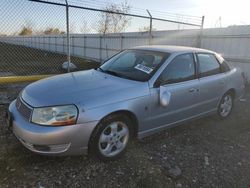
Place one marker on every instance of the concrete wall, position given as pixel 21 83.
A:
pixel 100 47
pixel 232 42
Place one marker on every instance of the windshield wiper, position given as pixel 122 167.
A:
pixel 99 68
pixel 112 73
pixel 109 72
pixel 115 73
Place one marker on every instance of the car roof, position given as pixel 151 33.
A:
pixel 172 49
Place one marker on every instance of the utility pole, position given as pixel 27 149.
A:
pixel 150 27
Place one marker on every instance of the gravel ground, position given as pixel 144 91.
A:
pixel 202 153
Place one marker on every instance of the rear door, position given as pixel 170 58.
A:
pixel 212 81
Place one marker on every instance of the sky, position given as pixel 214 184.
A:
pixel 231 12
pixel 15 14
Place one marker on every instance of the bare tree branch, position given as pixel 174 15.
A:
pixel 114 23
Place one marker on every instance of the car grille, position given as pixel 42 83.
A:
pixel 23 108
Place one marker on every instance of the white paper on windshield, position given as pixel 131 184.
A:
pixel 143 68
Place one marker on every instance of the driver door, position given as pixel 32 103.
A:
pixel 179 81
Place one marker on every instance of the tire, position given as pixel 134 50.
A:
pixel 111 137
pixel 226 105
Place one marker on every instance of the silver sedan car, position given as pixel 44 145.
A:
pixel 136 93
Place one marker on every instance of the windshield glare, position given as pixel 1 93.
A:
pixel 137 65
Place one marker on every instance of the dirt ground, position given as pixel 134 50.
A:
pixel 202 153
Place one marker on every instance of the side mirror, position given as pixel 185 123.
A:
pixel 164 96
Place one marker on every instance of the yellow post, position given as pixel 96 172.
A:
pixel 16 79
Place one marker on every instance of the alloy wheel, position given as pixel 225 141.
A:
pixel 226 105
pixel 113 139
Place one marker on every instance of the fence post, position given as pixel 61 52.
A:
pixel 49 43
pixel 55 43
pixel 84 46
pixel 44 39
pixel 63 44
pixel 100 53
pixel 68 39
pixel 201 32
pixel 121 42
pixel 150 27
pixel 73 43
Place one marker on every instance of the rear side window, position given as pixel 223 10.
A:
pixel 181 69
pixel 208 65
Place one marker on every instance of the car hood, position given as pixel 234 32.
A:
pixel 85 88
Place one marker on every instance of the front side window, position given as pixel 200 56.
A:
pixel 137 65
pixel 208 65
pixel 182 68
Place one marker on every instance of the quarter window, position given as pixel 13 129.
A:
pixel 208 65
pixel 223 63
pixel 181 69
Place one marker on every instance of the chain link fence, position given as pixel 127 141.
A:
pixel 37 37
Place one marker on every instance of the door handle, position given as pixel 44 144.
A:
pixel 192 90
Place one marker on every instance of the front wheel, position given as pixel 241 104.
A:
pixel 111 137
pixel 226 106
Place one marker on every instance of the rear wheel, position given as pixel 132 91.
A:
pixel 226 105
pixel 111 137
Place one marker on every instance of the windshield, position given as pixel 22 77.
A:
pixel 137 65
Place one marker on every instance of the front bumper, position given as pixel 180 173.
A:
pixel 62 140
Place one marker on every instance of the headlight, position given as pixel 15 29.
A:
pixel 55 116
